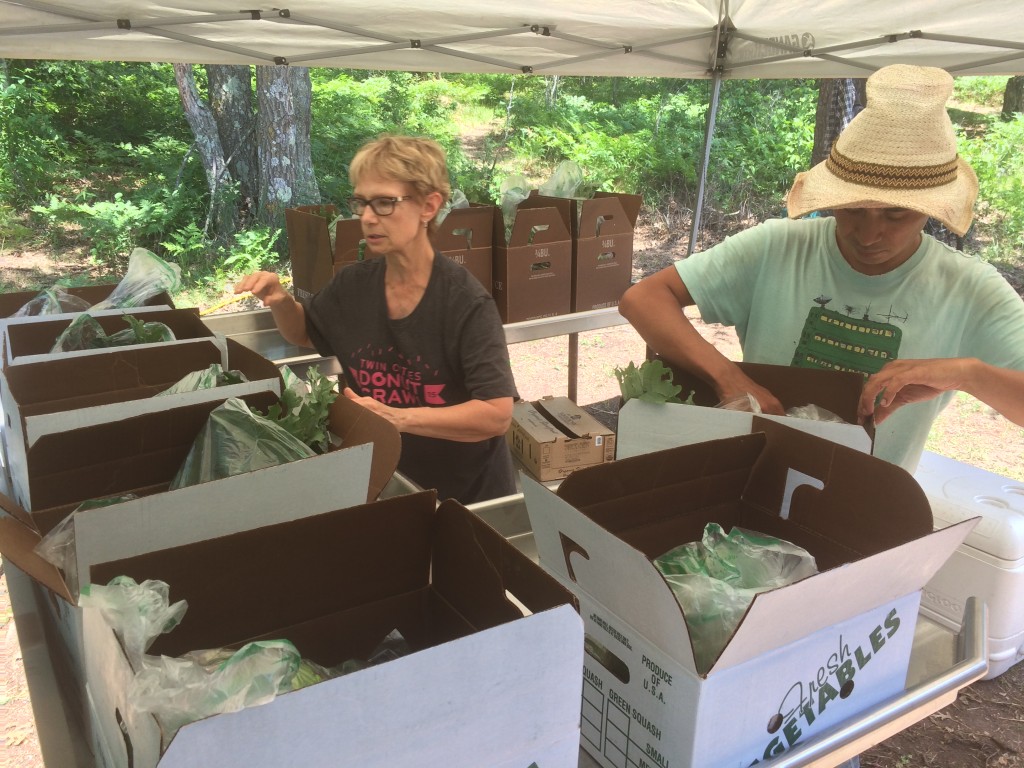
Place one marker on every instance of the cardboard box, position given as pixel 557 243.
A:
pixel 602 245
pixel 645 427
pixel 466 236
pixel 533 270
pixel 804 658
pixel 314 261
pixel 54 396
pixel 12 302
pixel 553 437
pixel 484 683
pixel 989 565
pixel 32 341
pixel 353 474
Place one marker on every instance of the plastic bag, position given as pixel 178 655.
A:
pixel 815 413
pixel 85 332
pixel 715 580
pixel 214 376
pixel 235 440
pixel 181 690
pixel 746 403
pixel 514 189
pixel 58 546
pixel 52 301
pixel 147 275
pixel 139 613
pixel 564 182
pixel 458 200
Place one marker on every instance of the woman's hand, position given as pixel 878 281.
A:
pixel 265 286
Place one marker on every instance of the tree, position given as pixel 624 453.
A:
pixel 1013 97
pixel 256 155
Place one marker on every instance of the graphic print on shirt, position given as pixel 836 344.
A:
pixel 852 340
pixel 391 378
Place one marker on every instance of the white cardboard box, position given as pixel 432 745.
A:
pixel 55 396
pixel 644 427
pixel 351 475
pixel 989 564
pixel 484 686
pixel 804 658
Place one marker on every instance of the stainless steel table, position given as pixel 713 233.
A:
pixel 255 329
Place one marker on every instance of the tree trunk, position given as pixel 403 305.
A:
pixel 839 99
pixel 231 100
pixel 1013 97
pixel 307 189
pixel 221 218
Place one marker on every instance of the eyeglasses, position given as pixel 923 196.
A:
pixel 382 206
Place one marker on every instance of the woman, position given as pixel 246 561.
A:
pixel 418 338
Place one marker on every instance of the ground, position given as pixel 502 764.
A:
pixel 983 728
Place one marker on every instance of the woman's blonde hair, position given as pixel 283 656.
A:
pixel 412 160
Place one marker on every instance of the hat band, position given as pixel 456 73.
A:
pixel 891 176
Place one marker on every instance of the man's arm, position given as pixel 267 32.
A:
pixel 654 307
pixel 910 381
pixel 289 315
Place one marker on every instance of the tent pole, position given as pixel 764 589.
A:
pixel 716 90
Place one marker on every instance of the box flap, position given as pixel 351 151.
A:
pixel 569 418
pixel 305 567
pixel 356 425
pixel 631 204
pixel 465 228
pixel 17 545
pixel 475 567
pixel 12 302
pixel 830 597
pixel 578 551
pixel 604 217
pixel 538 225
pixel 309 246
pixel 540 429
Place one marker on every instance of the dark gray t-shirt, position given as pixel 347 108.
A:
pixel 449 350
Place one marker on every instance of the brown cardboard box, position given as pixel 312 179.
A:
pixel 12 302
pixel 553 437
pixel 309 245
pixel 602 245
pixel 532 271
pixel 466 236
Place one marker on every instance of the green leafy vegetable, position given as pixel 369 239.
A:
pixel 305 407
pixel 650 382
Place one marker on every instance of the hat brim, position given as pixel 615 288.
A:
pixel 953 204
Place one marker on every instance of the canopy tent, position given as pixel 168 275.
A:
pixel 650 38
pixel 714 39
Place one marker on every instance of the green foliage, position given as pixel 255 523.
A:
pixel 980 90
pixel 305 408
pixel 998 161
pixel 650 382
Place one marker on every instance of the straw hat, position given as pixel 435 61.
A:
pixel 899 152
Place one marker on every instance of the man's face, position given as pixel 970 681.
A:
pixel 877 240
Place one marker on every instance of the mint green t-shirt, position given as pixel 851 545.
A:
pixel 794 300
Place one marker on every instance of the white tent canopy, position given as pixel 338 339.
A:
pixel 650 38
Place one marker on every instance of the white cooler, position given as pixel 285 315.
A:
pixel 989 564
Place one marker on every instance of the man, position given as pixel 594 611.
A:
pixel 859 288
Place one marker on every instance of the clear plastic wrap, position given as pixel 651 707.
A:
pixel 235 440
pixel 514 189
pixel 565 181
pixel 52 301
pixel 147 276
pixel 815 413
pixel 139 613
pixel 58 546
pixel 715 580
pixel 208 378
pixel 458 200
